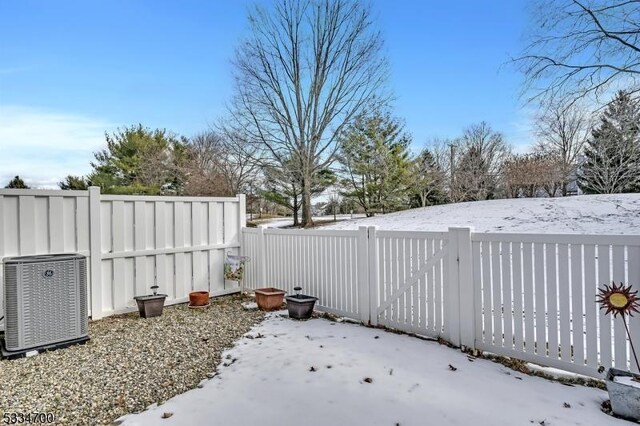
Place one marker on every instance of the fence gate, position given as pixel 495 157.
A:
pixel 409 280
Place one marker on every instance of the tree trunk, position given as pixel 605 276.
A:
pixel 296 221
pixel 307 218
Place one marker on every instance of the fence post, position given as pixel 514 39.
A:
pixel 372 282
pixel 452 292
pixel 242 222
pixel 95 251
pixel 362 263
pixel 466 291
pixel 460 305
pixel 262 253
pixel 242 203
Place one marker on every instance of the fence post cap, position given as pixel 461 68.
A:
pixel 461 228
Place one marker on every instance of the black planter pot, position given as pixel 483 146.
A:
pixel 300 306
pixel 150 306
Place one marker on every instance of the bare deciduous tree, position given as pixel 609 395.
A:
pixel 307 69
pixel 443 152
pixel 240 162
pixel 532 175
pixel 200 166
pixel 219 164
pixel 562 130
pixel 581 48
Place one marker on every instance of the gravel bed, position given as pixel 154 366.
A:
pixel 129 363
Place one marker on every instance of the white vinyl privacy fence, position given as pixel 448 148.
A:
pixel 526 296
pixel 132 242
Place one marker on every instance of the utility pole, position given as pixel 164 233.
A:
pixel 250 202
pixel 452 148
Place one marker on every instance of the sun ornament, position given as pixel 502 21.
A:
pixel 620 300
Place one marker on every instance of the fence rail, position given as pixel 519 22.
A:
pixel 131 242
pixel 527 296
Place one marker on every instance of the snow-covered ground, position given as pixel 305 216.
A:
pixel 283 222
pixel 592 214
pixel 318 372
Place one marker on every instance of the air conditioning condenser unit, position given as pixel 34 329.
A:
pixel 45 303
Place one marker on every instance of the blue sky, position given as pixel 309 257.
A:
pixel 71 70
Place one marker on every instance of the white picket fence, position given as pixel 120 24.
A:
pixel 131 242
pixel 526 296
pixel 536 298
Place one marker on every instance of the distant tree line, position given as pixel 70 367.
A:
pixel 374 170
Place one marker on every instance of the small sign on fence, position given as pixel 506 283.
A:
pixel 234 267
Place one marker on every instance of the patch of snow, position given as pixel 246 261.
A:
pixel 556 373
pixel 286 222
pixel 593 214
pixel 319 372
pixel 250 305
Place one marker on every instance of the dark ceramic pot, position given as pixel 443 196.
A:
pixel 300 306
pixel 151 305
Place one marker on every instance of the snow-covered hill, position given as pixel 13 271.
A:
pixel 584 214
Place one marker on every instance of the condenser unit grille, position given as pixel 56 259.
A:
pixel 11 309
pixel 46 300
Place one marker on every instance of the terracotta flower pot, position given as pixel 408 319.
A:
pixel 269 298
pixel 198 298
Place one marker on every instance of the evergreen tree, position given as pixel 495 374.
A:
pixel 376 164
pixel 283 186
pixel 427 181
pixel 74 183
pixel 139 160
pixel 478 163
pixel 17 183
pixel 612 154
pixel 473 178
